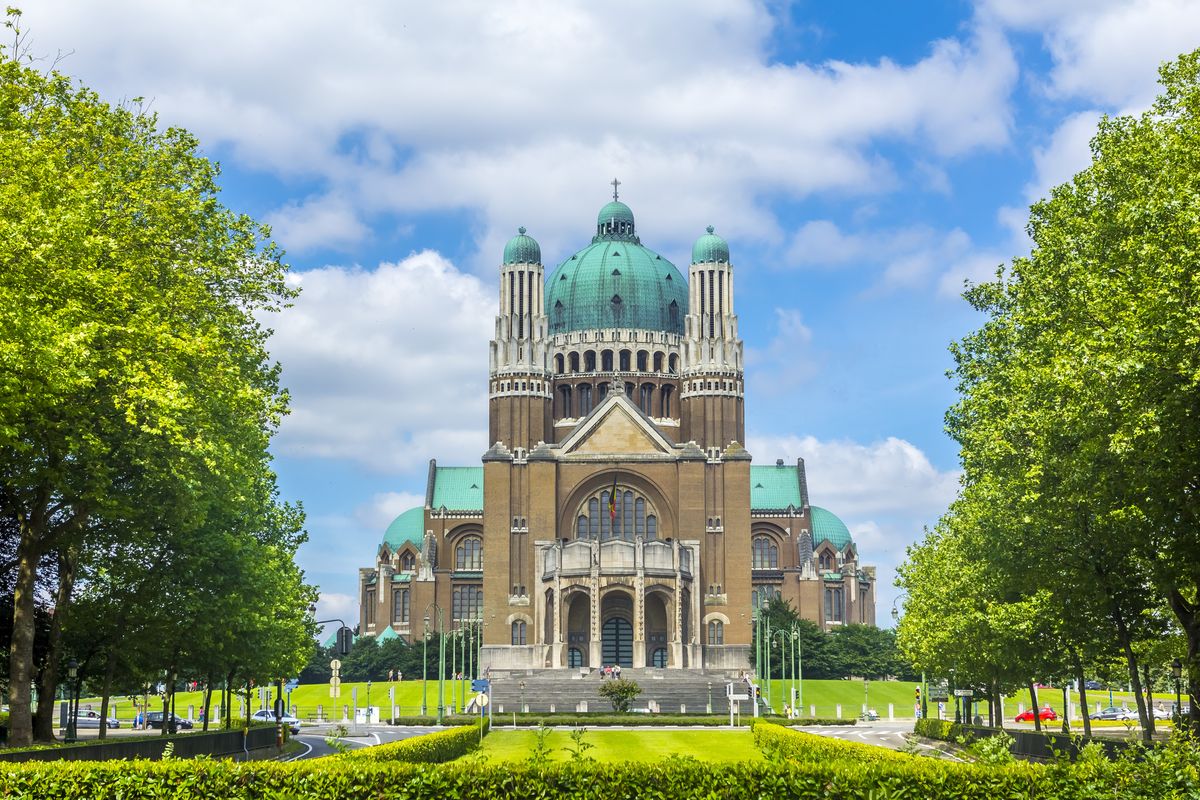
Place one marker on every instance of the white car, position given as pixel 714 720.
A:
pixel 268 716
pixel 91 719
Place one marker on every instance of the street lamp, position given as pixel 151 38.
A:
pixel 73 701
pixel 798 654
pixel 425 669
pixel 1176 673
pixel 441 629
pixel 522 697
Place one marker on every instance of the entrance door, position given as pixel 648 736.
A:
pixel 616 642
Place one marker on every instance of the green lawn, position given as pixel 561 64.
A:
pixel 630 745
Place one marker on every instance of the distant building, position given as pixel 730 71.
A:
pixel 616 518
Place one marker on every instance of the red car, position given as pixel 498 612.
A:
pixel 1046 712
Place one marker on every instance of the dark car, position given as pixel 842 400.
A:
pixel 155 720
pixel 1092 686
pixel 1112 712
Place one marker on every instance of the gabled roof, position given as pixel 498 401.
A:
pixel 775 488
pixel 619 427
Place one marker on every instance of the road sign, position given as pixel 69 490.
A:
pixel 482 699
pixel 739 697
pixel 963 692
pixel 480 685
pixel 335 665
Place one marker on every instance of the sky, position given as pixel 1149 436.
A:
pixel 862 159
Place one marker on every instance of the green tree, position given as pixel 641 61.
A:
pixel 621 692
pixel 133 370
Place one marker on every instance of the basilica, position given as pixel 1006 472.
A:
pixel 616 517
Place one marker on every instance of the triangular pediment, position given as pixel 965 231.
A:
pixel 616 427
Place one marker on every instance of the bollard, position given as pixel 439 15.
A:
pixel 812 711
pixel 552 708
pixel 682 708
pixel 839 710
pixel 891 711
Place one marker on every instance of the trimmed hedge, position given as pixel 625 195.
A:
pixel 942 729
pixel 327 779
pixel 784 744
pixel 432 748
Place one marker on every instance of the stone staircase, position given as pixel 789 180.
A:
pixel 668 691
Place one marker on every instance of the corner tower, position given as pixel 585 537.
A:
pixel 713 391
pixel 519 390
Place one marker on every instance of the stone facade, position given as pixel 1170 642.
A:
pixel 616 518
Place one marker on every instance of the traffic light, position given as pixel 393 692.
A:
pixel 345 638
pixel 918 693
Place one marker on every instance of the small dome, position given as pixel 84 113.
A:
pixel 827 527
pixel 408 527
pixel 710 248
pixel 615 221
pixel 522 249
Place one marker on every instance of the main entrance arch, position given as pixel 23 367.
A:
pixel 616 629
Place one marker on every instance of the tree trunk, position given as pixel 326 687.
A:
pixel 229 700
pixel 1149 698
pixel 43 725
pixel 20 660
pixel 206 708
pixel 1033 698
pixel 110 669
pixel 1131 665
pixel 1066 717
pixel 1083 704
pixel 1186 612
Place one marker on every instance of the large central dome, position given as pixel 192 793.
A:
pixel 615 282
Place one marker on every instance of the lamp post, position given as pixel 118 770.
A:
pixel 522 697
pixel 710 697
pixel 1176 673
pixel 441 630
pixel 368 702
pixel 425 669
pixel 798 654
pixel 453 673
pixel 73 702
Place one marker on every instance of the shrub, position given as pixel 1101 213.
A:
pixel 432 748
pixel 942 729
pixel 783 744
pixel 620 692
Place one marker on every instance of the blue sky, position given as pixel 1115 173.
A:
pixel 862 159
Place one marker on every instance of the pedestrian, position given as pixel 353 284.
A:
pixel 617 671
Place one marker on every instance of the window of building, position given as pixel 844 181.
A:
pixel 627 516
pixel 761 596
pixel 518 633
pixel 574 658
pixel 585 399
pixel 370 604
pixel 469 554
pixel 716 632
pixel 408 562
pixel 825 561
pixel 764 554
pixel 646 399
pixel 658 658
pixel 833 605
pixel 400 606
pixel 466 603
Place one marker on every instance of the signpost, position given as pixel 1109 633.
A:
pixel 484 687
pixel 335 678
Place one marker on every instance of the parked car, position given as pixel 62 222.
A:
pixel 1161 713
pixel 1093 686
pixel 1045 712
pixel 267 715
pixel 155 720
pixel 1112 712
pixel 91 719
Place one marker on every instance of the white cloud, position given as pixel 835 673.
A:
pixel 386 368
pixel 335 605
pixel 1104 51
pixel 399 108
pixel 787 361
pixel 328 222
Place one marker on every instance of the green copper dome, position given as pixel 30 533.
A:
pixel 615 282
pixel 522 249
pixel 710 248
pixel 827 527
pixel 408 527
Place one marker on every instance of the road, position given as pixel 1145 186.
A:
pixel 314 738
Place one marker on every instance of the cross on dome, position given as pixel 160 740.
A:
pixel 615 184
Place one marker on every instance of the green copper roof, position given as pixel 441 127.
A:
pixel 458 488
pixel 774 488
pixel 709 248
pixel 522 249
pixel 827 527
pixel 331 640
pixel 387 634
pixel 615 282
pixel 408 527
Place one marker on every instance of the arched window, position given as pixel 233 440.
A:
pixel 673 363
pixel 658 362
pixel 558 361
pixel 646 399
pixel 408 562
pixel 469 554
pixel 589 361
pixel 573 362
pixel 400 606
pixel 658 658
pixel 765 554
pixel 518 633
pixel 574 658
pixel 666 401
pixel 625 356
pixel 564 401
pixel 825 561
pixel 585 399
pixel 643 361
pixel 833 605
pixel 606 360
pixel 716 632
pixel 628 516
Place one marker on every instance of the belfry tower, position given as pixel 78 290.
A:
pixel 519 390
pixel 713 389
